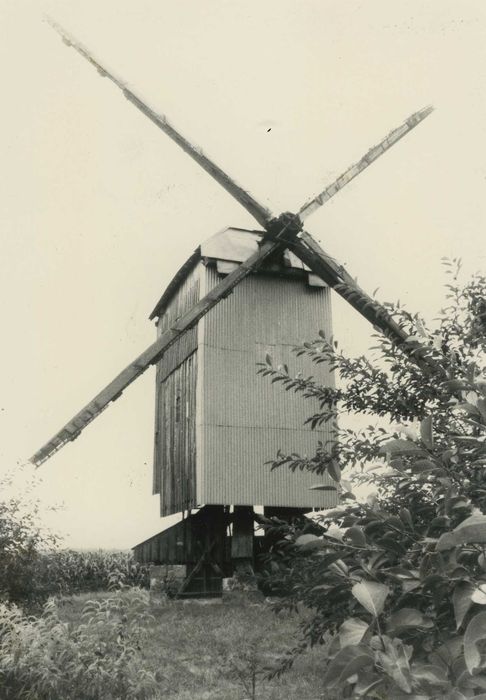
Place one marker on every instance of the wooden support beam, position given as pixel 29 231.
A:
pixel 197 568
pixel 243 533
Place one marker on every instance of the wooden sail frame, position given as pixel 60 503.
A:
pixel 281 233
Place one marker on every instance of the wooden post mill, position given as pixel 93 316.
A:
pixel 217 422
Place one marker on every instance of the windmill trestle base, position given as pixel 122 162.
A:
pixel 210 554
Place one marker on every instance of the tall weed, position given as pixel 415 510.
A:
pixel 45 658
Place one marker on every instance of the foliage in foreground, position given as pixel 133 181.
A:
pixel 180 651
pixel 45 658
pixel 398 580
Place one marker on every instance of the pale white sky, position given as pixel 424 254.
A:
pixel 99 208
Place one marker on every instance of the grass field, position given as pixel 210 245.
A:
pixel 220 650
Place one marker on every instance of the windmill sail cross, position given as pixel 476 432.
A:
pixel 281 233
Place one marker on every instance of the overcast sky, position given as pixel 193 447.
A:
pixel 99 209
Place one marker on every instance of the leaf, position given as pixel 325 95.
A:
pixel 339 567
pixel 330 558
pixel 401 572
pixel 410 585
pixel 479 595
pixel 482 408
pixel 346 663
pixel 352 631
pixel 334 513
pixel 475 632
pixel 423 465
pixel 428 673
pixel 446 541
pixel 395 662
pixel 406 517
pixel 454 385
pixel 473 520
pixel 268 359
pixel 426 432
pixel 322 487
pixel 465 680
pixel 399 447
pixel 471 530
pixel 447 653
pixel 356 536
pixel 376 465
pixel 408 617
pixel 305 539
pixel 461 600
pixel 334 470
pixel 366 683
pixel 371 595
pixel 389 542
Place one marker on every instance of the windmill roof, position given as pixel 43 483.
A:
pixel 232 245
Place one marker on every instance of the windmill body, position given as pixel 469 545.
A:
pixel 217 422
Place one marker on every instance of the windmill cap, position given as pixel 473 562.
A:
pixel 231 245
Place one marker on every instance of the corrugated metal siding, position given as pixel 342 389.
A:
pixel 243 419
pixel 238 473
pixel 175 410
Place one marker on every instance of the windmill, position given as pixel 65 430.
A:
pixel 233 258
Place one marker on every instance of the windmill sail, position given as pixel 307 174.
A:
pixel 337 277
pixel 257 210
pixel 153 353
pixel 365 161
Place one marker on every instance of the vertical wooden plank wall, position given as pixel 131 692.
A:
pixel 175 410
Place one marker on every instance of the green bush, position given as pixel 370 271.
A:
pixel 45 658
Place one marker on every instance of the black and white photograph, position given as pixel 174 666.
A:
pixel 243 384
